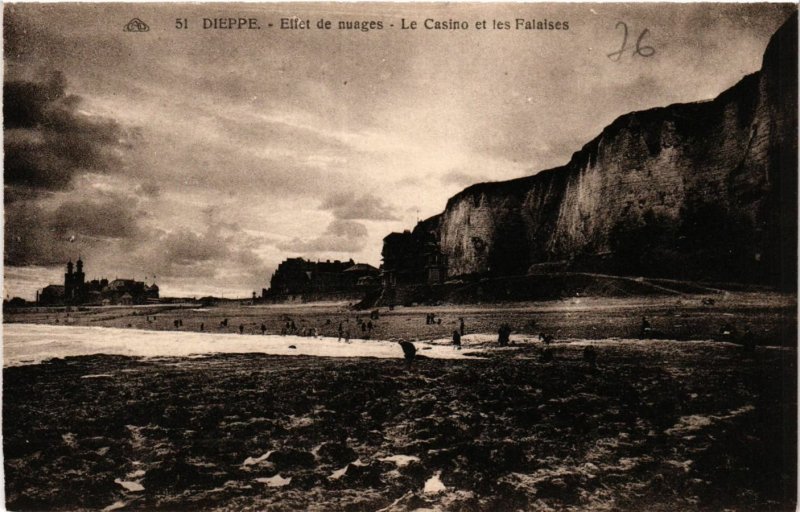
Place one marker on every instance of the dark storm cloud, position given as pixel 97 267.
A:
pixel 25 104
pixel 353 206
pixel 112 217
pixel 47 138
pixel 48 143
pixel 36 235
pixel 340 236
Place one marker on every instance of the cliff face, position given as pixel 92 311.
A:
pixel 699 190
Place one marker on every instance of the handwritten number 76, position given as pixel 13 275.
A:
pixel 644 51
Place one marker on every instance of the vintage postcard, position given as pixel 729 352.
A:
pixel 400 256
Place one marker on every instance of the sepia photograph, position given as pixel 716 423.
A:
pixel 388 257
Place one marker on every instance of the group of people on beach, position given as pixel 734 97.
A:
pixel 366 327
pixel 290 327
pixel 430 319
pixel 410 351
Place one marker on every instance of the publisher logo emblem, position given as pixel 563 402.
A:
pixel 136 25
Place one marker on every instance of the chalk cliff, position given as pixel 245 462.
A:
pixel 699 190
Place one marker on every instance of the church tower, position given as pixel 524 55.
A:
pixel 78 282
pixel 74 282
pixel 79 275
pixel 68 282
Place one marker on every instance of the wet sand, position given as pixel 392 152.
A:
pixel 656 426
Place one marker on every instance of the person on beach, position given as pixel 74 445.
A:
pixel 341 332
pixel 241 329
pixel 645 328
pixel 263 329
pixel 202 326
pixel 409 351
pixel 461 325
pixel 503 335
pixel 347 333
pixel 456 340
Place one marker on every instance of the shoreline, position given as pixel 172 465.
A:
pixel 34 343
pixel 28 344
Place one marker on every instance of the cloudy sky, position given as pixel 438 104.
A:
pixel 206 157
